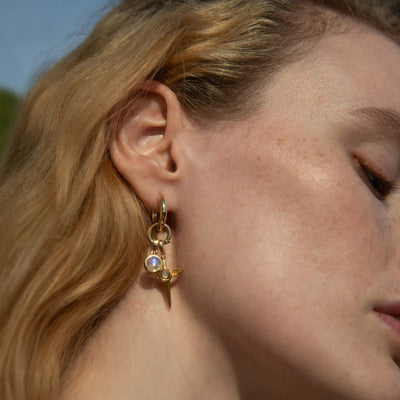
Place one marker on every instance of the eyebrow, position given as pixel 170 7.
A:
pixel 385 119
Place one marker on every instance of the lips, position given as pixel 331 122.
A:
pixel 390 314
pixel 392 309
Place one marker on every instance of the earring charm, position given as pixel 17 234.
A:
pixel 156 263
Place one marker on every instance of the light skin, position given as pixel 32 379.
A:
pixel 286 245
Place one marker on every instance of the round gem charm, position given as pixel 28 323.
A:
pixel 153 263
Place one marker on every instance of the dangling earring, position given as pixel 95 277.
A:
pixel 155 263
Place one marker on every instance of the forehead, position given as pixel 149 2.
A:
pixel 358 68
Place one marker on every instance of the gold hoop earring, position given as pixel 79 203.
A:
pixel 156 263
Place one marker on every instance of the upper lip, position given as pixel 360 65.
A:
pixel 392 309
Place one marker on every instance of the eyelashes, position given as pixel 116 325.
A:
pixel 379 186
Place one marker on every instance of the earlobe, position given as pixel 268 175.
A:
pixel 141 148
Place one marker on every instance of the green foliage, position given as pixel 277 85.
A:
pixel 9 104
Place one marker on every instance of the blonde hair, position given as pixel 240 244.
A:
pixel 72 231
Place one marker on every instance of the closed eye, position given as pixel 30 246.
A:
pixel 379 186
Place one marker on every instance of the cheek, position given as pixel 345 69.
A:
pixel 319 213
pixel 282 249
pixel 294 236
pixel 285 254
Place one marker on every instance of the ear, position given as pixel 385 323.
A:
pixel 142 149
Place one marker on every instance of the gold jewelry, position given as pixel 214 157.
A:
pixel 155 263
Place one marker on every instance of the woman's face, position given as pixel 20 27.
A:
pixel 287 241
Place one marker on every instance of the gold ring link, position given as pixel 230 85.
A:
pixel 156 241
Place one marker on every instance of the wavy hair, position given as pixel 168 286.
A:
pixel 72 231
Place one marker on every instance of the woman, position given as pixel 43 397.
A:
pixel 251 150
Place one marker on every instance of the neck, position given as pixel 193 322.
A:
pixel 145 350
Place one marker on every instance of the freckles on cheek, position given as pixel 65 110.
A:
pixel 363 216
pixel 359 248
pixel 318 197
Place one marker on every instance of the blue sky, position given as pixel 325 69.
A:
pixel 35 33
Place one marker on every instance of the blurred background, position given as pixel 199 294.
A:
pixel 33 35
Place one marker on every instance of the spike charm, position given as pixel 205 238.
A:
pixel 165 277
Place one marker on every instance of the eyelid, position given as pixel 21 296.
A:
pixel 374 171
pixel 367 171
pixel 380 157
pixel 372 166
